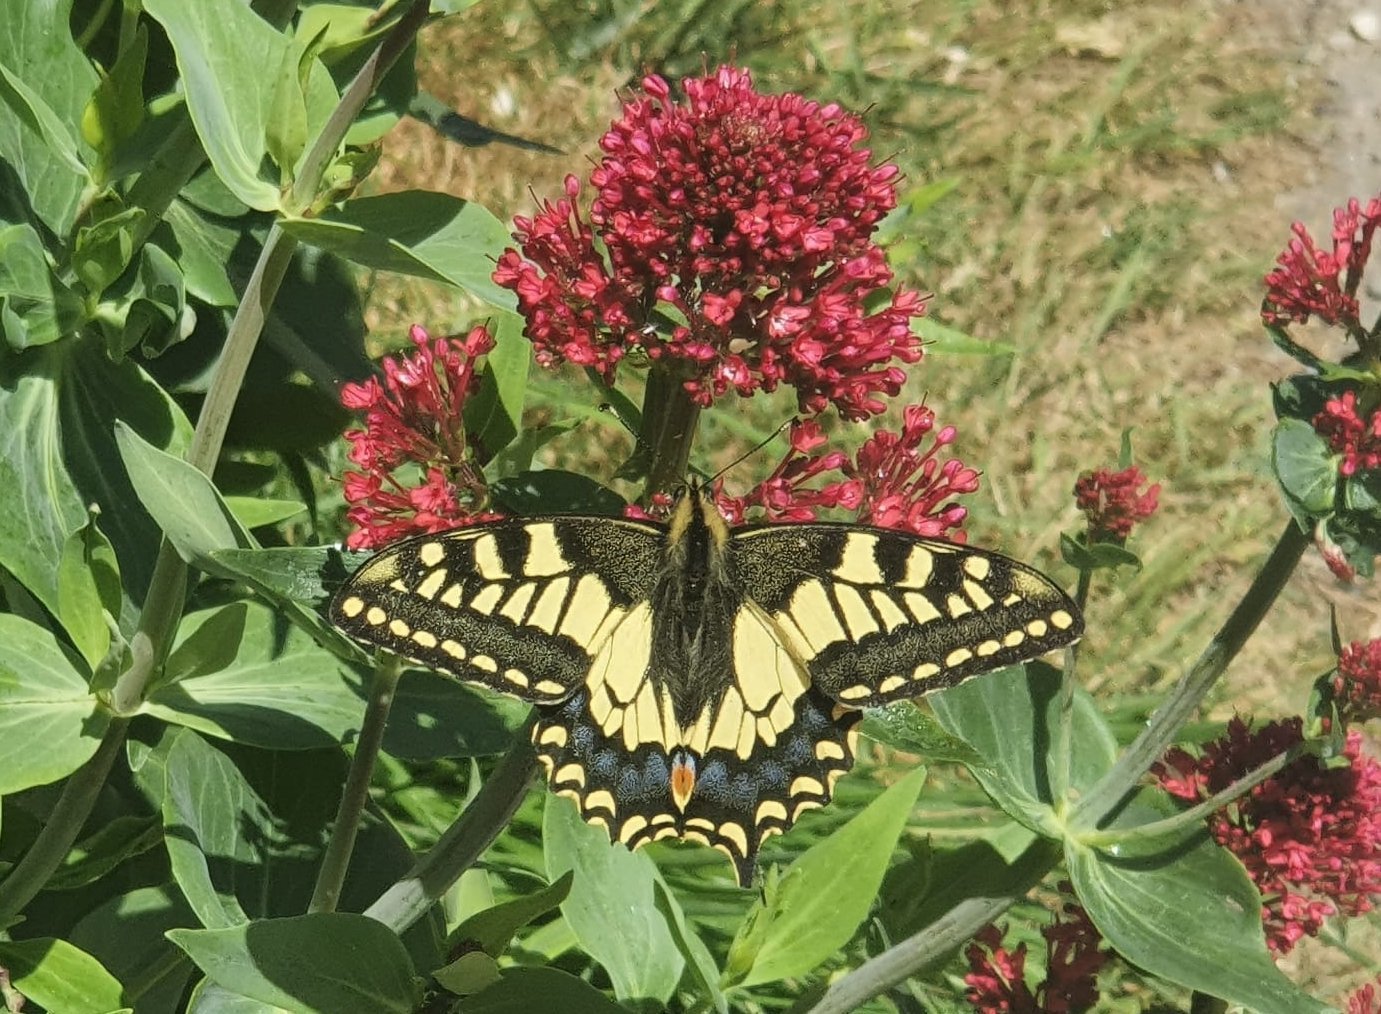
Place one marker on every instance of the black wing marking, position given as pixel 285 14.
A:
pixel 876 615
pixel 520 606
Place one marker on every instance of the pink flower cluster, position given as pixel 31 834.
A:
pixel 1114 502
pixel 1353 434
pixel 894 480
pixel 1312 282
pixel 1357 686
pixel 1366 1000
pixel 412 417
pixel 739 226
pixel 1309 836
pixel 996 980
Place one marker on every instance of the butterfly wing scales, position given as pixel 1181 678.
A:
pixel 877 615
pixel 520 606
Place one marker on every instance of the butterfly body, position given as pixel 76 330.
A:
pixel 693 680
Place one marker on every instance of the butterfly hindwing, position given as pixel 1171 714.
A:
pixel 876 615
pixel 739 799
pixel 520 606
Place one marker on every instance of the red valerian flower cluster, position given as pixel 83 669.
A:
pixel 1366 1000
pixel 413 418
pixel 739 225
pixel 1356 435
pixel 1357 686
pixel 1310 282
pixel 996 979
pixel 1114 502
pixel 894 480
pixel 1309 836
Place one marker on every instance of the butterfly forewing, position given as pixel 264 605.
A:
pixel 876 615
pixel 520 606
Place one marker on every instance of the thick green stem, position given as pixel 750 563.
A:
pixel 1193 818
pixel 163 605
pixel 1170 717
pixel 1064 735
pixel 669 422
pixel 64 823
pixel 933 945
pixel 464 841
pixel 353 797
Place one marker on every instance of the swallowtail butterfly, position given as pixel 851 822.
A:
pixel 693 680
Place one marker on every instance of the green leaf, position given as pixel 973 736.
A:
pixel 492 929
pixel 286 130
pixel 524 990
pixel 903 726
pixel 43 700
pixel 208 998
pixel 89 593
pixel 58 407
pixel 469 973
pixel 825 894
pixel 1362 492
pixel 207 642
pixel 204 248
pixel 930 882
pixel 222 51
pixel 1191 916
pixel 415 232
pixel 1009 717
pixel 941 340
pixel 293 579
pixel 1083 555
pixel 1305 467
pixel 60 977
pixel 611 903
pixel 700 962
pixel 217 829
pixel 116 109
pixel 325 962
pixel 555 490
pixel 257 511
pixel 244 835
pixel 180 498
pixel 105 248
pixel 252 680
pixel 517 456
pixel 494 413
pixel 36 141
pixel 29 108
pixel 437 717
pixel 113 842
pixel 35 307
pixel 125 933
pixel 147 309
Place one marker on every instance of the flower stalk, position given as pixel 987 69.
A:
pixel 464 841
pixel 932 945
pixel 336 860
pixel 1090 811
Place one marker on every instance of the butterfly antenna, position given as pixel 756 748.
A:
pixel 751 451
